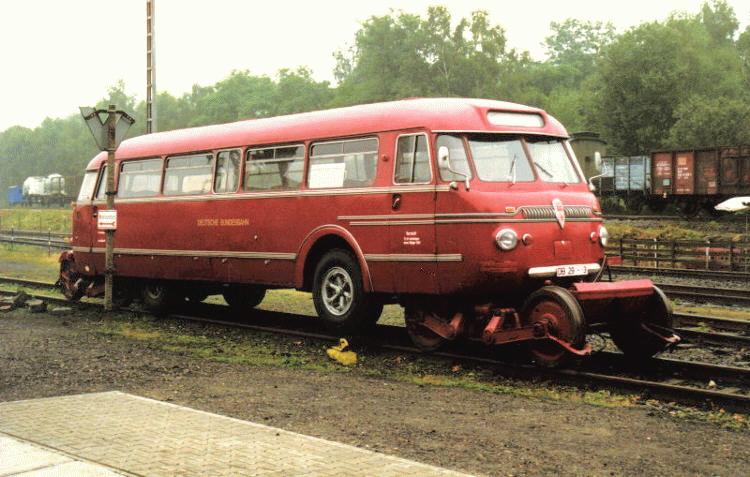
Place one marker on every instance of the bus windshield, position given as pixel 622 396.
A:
pixel 551 161
pixel 500 159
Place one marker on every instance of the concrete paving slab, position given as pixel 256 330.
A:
pixel 142 436
pixel 19 458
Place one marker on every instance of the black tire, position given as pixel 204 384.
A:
pixel 571 326
pixel 352 311
pixel 636 343
pixel 122 295
pixel 243 297
pixel 157 297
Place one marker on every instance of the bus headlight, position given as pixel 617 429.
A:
pixel 506 239
pixel 603 236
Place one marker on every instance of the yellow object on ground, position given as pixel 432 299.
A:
pixel 340 353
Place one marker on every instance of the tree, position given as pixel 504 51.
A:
pixel 710 121
pixel 404 55
pixel 575 46
pixel 649 71
pixel 720 21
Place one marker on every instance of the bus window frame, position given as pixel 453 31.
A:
pixel 240 170
pixel 118 175
pixel 245 160
pixel 309 157
pixel 429 159
pixel 165 163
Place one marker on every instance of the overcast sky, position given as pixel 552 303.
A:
pixel 57 55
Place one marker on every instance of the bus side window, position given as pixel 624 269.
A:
pixel 102 189
pixel 274 168
pixel 186 175
pixel 140 178
pixel 227 171
pixel 351 163
pixel 87 186
pixel 412 165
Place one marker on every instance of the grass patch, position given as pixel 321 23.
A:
pixel 31 263
pixel 673 231
pixel 42 220
pixel 713 310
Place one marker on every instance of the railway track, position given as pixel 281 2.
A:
pixel 681 272
pixel 672 218
pixel 732 296
pixel 51 240
pixel 683 381
pixel 695 328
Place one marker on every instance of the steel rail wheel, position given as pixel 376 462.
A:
pixel 157 297
pixel 632 338
pixel 243 297
pixel 559 309
pixel 423 338
pixel 339 296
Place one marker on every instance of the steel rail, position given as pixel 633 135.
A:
pixel 664 377
pixel 708 294
pixel 681 272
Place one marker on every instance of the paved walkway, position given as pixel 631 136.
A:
pixel 116 432
pixel 21 459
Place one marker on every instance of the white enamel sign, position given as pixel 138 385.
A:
pixel 107 220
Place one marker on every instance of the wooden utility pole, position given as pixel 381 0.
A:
pixel 109 253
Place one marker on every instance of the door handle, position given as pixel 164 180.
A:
pixel 94 211
pixel 396 201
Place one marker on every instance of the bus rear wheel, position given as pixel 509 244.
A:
pixel 243 297
pixel 339 296
pixel 157 297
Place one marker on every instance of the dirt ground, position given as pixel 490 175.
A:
pixel 470 430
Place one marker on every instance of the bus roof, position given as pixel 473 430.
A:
pixel 435 114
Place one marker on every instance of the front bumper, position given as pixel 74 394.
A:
pixel 551 271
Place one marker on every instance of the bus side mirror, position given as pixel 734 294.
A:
pixel 598 160
pixel 444 163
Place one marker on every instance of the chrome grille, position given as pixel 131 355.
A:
pixel 548 212
pixel 538 212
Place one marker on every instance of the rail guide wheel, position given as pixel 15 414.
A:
pixel 647 331
pixel 560 311
pixel 423 338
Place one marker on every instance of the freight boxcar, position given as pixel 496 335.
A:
pixel 699 178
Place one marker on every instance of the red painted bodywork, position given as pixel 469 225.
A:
pixel 456 253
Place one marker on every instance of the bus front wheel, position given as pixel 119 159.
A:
pixel 339 296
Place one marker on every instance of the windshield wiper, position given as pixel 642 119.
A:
pixel 512 171
pixel 543 170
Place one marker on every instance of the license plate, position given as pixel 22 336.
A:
pixel 572 271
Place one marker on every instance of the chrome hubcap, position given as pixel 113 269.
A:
pixel 154 292
pixel 337 291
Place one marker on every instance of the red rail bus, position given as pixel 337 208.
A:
pixel 472 214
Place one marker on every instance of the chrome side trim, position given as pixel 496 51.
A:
pixel 551 271
pixel 395 222
pixel 413 257
pixel 281 194
pixel 201 253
